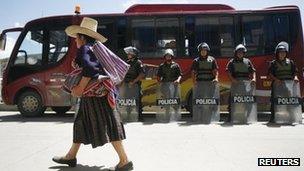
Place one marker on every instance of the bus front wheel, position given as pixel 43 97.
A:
pixel 30 104
pixel 61 109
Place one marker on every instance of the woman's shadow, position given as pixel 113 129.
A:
pixel 80 167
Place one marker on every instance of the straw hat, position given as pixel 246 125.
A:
pixel 87 27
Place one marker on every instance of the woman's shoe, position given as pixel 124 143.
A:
pixel 126 167
pixel 62 160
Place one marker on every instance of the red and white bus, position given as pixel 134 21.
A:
pixel 43 53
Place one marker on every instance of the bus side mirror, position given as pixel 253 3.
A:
pixel 2 41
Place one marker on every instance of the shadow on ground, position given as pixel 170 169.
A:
pixel 80 167
pixel 49 117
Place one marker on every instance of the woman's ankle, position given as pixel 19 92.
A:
pixel 69 156
pixel 124 161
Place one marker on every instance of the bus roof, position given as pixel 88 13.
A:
pixel 173 9
pixel 144 8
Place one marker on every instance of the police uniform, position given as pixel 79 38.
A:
pixel 282 70
pixel 136 68
pixel 169 72
pixel 204 67
pixel 240 69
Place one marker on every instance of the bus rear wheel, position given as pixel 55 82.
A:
pixel 30 104
pixel 61 109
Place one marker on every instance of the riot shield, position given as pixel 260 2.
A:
pixel 243 102
pixel 168 102
pixel 205 104
pixel 287 106
pixel 128 102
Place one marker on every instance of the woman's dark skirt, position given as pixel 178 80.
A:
pixel 97 123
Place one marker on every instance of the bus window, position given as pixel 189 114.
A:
pixel 262 33
pixel 208 30
pixel 58 46
pixel 190 47
pixel 294 25
pixel 105 28
pixel 227 34
pixel 166 35
pixel 121 33
pixel 144 36
pixel 218 32
pixel 121 37
pixel 253 34
pixel 275 30
pixel 281 29
pixel 30 52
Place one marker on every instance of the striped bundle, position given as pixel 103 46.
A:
pixel 94 88
pixel 114 67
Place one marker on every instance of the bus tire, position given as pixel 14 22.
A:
pixel 61 109
pixel 30 104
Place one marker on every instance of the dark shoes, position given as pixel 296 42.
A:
pixel 62 160
pixel 126 167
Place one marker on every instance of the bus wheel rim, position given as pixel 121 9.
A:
pixel 30 103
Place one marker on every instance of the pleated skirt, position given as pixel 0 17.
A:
pixel 96 123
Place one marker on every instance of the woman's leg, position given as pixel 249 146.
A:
pixel 118 146
pixel 70 157
pixel 73 151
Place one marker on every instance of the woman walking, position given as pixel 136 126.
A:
pixel 96 122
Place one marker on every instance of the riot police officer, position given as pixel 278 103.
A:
pixel 281 68
pixel 169 71
pixel 169 76
pixel 240 68
pixel 204 67
pixel 135 73
pixel 205 78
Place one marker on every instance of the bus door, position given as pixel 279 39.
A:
pixel 57 47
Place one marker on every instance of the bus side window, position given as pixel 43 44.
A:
pixel 58 46
pixel 208 30
pixel 227 36
pixel 121 37
pixel 254 35
pixel 281 29
pixel 167 32
pixel 190 47
pixel 261 33
pixel 106 28
pixel 143 36
pixel 294 23
pixel 30 51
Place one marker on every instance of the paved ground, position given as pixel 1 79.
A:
pixel 30 143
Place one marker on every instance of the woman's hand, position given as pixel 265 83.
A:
pixel 77 91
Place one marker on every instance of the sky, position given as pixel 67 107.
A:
pixel 16 13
